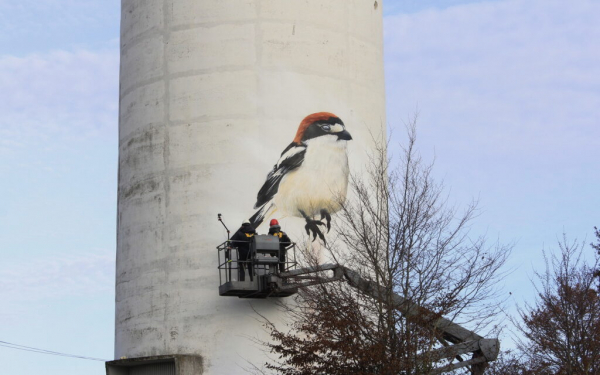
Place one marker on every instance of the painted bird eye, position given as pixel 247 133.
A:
pixel 326 128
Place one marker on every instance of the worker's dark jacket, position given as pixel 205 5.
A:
pixel 284 240
pixel 242 239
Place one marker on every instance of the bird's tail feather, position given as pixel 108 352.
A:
pixel 260 215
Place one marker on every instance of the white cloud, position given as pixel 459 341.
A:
pixel 54 107
pixel 55 22
pixel 55 96
pixel 505 77
pixel 55 277
pixel 509 97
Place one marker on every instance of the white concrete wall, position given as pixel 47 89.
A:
pixel 211 92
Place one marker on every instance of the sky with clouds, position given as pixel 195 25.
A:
pixel 508 96
pixel 507 93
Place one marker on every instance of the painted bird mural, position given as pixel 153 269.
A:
pixel 310 179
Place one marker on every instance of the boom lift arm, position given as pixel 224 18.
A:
pixel 465 341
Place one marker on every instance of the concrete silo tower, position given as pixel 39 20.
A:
pixel 211 93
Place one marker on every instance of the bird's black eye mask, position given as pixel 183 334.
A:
pixel 323 127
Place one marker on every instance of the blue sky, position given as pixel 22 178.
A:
pixel 508 95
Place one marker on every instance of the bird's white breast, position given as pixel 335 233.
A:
pixel 319 183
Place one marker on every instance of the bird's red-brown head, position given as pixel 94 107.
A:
pixel 321 122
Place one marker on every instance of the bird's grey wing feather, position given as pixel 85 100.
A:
pixel 291 158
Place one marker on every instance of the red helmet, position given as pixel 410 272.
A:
pixel 273 222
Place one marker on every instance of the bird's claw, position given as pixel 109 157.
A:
pixel 327 216
pixel 312 228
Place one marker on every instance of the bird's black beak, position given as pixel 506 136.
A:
pixel 344 136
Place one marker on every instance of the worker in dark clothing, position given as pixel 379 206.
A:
pixel 284 241
pixel 242 239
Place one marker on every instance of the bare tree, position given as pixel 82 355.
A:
pixel 398 231
pixel 562 327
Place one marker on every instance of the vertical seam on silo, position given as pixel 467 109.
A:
pixel 166 152
pixel 258 40
pixel 349 79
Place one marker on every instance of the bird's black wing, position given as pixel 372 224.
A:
pixel 291 158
